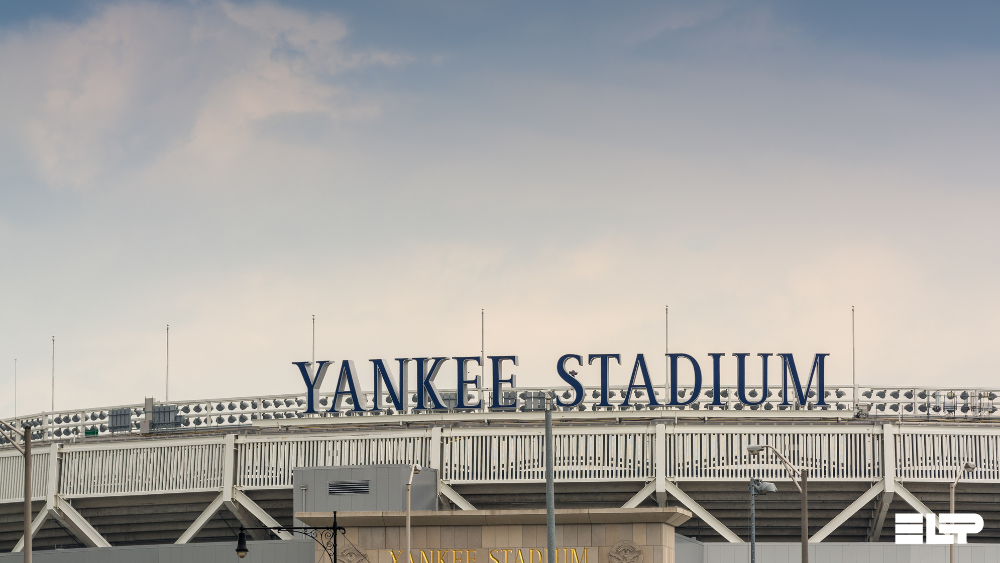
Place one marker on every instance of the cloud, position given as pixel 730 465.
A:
pixel 137 80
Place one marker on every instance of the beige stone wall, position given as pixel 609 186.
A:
pixel 576 543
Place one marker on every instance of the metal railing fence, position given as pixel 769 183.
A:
pixel 874 402
pixel 593 453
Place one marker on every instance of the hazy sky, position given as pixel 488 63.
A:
pixel 234 168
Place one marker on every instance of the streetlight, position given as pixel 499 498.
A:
pixel 967 466
pixel 25 434
pixel 414 469
pixel 550 487
pixel 325 537
pixel 241 544
pixel 803 475
pixel 757 487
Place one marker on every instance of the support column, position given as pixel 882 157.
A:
pixel 454 497
pixel 77 525
pixel 435 450
pixel 637 499
pixel 889 474
pixel 700 512
pixel 660 463
pixel 36 525
pixel 236 501
pixel 848 512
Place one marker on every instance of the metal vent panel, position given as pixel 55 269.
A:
pixel 350 487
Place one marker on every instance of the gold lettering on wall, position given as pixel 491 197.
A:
pixel 512 555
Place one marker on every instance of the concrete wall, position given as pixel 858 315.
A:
pixel 577 543
pixel 692 551
pixel 294 551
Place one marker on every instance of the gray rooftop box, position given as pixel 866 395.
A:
pixel 363 488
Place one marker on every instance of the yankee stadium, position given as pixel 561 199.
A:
pixel 160 475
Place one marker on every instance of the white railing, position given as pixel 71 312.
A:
pixel 839 454
pixel 601 451
pixel 518 457
pixel 877 402
pixel 12 475
pixel 142 467
pixel 936 454
pixel 268 462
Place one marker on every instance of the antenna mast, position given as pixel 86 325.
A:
pixel 482 344
pixel 666 351
pixel 167 390
pixel 854 377
pixel 53 374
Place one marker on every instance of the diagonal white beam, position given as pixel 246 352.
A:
pixel 848 512
pixel 636 500
pixel 454 497
pixel 36 525
pixel 252 507
pixel 911 500
pixel 202 519
pixel 880 512
pixel 700 512
pixel 77 525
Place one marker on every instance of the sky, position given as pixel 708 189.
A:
pixel 570 168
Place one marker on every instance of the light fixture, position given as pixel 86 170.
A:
pixel 755 449
pixel 767 487
pixel 969 466
pixel 241 544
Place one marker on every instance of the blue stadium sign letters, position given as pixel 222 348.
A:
pixel 390 386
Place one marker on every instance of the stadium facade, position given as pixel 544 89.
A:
pixel 169 474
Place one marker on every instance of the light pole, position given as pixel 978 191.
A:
pixel 25 433
pixel 803 486
pixel 967 466
pixel 414 469
pixel 550 488
pixel 325 537
pixel 757 487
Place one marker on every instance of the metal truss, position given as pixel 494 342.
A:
pixel 660 453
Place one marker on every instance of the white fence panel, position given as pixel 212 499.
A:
pixel 169 466
pixel 926 456
pixel 721 454
pixel 12 469
pixel 267 463
pixel 504 456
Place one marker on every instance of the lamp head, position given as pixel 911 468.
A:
pixel 416 468
pixel 969 466
pixel 241 544
pixel 755 449
pixel 766 487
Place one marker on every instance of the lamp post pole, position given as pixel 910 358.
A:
pixel 952 499
pixel 414 469
pixel 967 466
pixel 802 484
pixel 805 515
pixel 27 494
pixel 25 449
pixel 754 491
pixel 550 491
